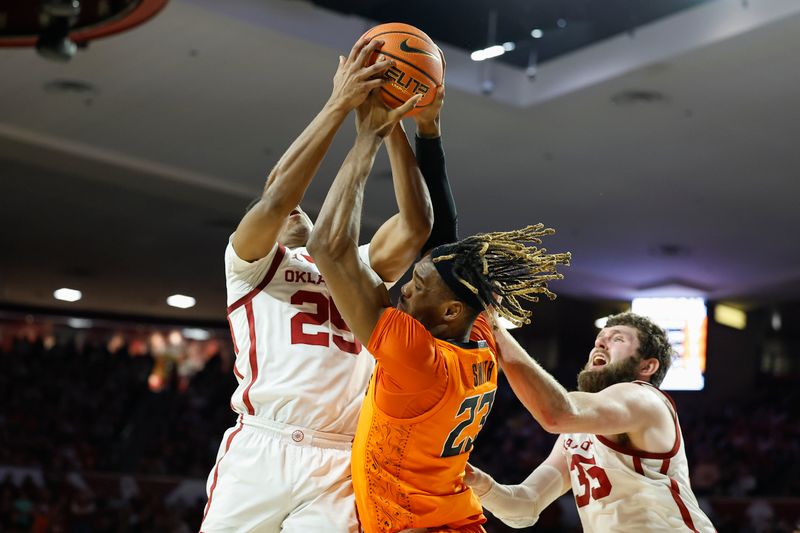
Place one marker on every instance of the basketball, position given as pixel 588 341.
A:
pixel 418 68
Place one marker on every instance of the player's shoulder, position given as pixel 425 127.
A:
pixel 638 395
pixel 482 332
pixel 625 389
pixel 394 322
pixel 235 262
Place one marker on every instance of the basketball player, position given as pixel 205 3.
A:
pixel 620 447
pixel 434 384
pixel 285 465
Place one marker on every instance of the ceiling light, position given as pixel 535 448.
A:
pixel 600 323
pixel 561 23
pixel 67 295
pixel 730 316
pixel 181 301
pixel 509 46
pixel 537 33
pixel 79 323
pixel 196 334
pixel 775 321
pixel 487 53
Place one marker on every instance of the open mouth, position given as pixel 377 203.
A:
pixel 599 360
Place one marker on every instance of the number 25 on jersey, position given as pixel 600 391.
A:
pixel 325 310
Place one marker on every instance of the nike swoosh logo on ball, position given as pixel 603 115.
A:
pixel 410 49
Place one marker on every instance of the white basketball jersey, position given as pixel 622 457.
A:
pixel 297 362
pixel 619 489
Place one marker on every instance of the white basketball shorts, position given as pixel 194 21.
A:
pixel 271 477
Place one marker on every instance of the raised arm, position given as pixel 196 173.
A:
pixel 620 408
pixel 359 295
pixel 287 182
pixel 431 160
pixel 520 505
pixel 398 241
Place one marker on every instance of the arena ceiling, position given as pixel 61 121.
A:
pixel 564 25
pixel 664 156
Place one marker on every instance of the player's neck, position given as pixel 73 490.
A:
pixel 454 333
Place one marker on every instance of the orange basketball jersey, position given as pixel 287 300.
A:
pixel 409 472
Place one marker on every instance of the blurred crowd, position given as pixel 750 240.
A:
pixel 90 443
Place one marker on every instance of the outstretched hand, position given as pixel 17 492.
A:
pixel 478 480
pixel 428 121
pixel 374 117
pixel 354 79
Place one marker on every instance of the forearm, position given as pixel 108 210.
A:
pixel 359 294
pixel 520 505
pixel 413 201
pixel 290 177
pixel 337 228
pixel 539 392
pixel 431 161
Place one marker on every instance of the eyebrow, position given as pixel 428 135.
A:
pixel 615 331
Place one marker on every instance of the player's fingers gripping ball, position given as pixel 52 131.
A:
pixel 418 64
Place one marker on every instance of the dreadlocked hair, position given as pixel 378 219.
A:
pixel 502 271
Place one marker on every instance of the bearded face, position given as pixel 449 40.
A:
pixel 596 379
pixel 614 359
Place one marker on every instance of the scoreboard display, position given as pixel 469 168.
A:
pixel 686 323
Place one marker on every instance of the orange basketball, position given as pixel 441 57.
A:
pixel 418 68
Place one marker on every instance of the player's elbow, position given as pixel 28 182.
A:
pixel 551 425
pixel 557 420
pixel 567 420
pixel 417 230
pixel 280 199
pixel 422 225
pixel 325 245
pixel 317 244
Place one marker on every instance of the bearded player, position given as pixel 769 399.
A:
pixel 619 448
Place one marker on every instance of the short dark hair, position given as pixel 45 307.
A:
pixel 653 341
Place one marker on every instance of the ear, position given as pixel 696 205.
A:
pixel 648 367
pixel 453 310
